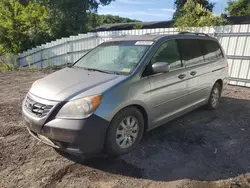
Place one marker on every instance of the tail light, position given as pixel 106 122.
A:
pixel 227 67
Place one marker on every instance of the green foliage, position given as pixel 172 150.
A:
pixel 138 25
pixel 194 15
pixel 239 8
pixel 21 26
pixel 70 17
pixel 8 62
pixel 27 23
pixel 179 4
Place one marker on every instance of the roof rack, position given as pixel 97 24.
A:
pixel 183 32
pixel 163 33
pixel 201 34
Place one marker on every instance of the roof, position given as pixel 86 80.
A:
pixel 154 37
pixel 161 24
pixel 136 37
pixel 130 26
pixel 239 19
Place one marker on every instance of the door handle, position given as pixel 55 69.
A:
pixel 182 76
pixel 193 73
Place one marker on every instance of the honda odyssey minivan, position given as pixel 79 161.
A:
pixel 110 97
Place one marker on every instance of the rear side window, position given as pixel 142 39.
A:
pixel 191 51
pixel 211 50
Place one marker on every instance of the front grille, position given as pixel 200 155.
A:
pixel 38 109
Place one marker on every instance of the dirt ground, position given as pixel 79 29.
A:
pixel 202 149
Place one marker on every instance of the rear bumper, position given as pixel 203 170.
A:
pixel 225 83
pixel 86 136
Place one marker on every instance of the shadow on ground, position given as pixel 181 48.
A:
pixel 202 145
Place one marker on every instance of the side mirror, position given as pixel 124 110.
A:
pixel 160 67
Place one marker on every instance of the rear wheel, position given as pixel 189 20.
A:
pixel 125 131
pixel 215 96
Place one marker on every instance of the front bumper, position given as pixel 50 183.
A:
pixel 85 136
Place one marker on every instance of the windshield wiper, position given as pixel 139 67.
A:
pixel 104 71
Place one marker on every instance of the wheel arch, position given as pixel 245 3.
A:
pixel 220 81
pixel 145 115
pixel 139 107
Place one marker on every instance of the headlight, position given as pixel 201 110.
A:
pixel 80 108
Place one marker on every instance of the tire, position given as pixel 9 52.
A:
pixel 215 96
pixel 120 140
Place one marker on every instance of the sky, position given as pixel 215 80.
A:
pixel 150 10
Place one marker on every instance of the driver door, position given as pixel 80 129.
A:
pixel 169 91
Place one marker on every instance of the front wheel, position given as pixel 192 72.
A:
pixel 125 131
pixel 215 96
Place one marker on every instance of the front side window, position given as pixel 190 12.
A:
pixel 118 57
pixel 191 51
pixel 169 53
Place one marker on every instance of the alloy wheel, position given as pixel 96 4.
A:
pixel 215 97
pixel 127 132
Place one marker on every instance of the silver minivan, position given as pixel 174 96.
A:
pixel 110 97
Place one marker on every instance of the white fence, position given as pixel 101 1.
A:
pixel 235 40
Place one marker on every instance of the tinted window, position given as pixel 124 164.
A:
pixel 169 53
pixel 191 51
pixel 211 50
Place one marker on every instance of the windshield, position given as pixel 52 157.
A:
pixel 117 57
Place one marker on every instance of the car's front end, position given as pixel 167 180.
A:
pixel 71 109
pixel 60 109
pixel 46 121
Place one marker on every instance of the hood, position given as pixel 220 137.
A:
pixel 69 82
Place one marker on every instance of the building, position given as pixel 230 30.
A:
pixel 234 20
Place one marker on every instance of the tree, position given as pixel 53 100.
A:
pixel 27 23
pixel 195 15
pixel 239 8
pixel 138 25
pixel 69 17
pixel 179 4
pixel 22 26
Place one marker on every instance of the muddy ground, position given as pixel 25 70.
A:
pixel 202 149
